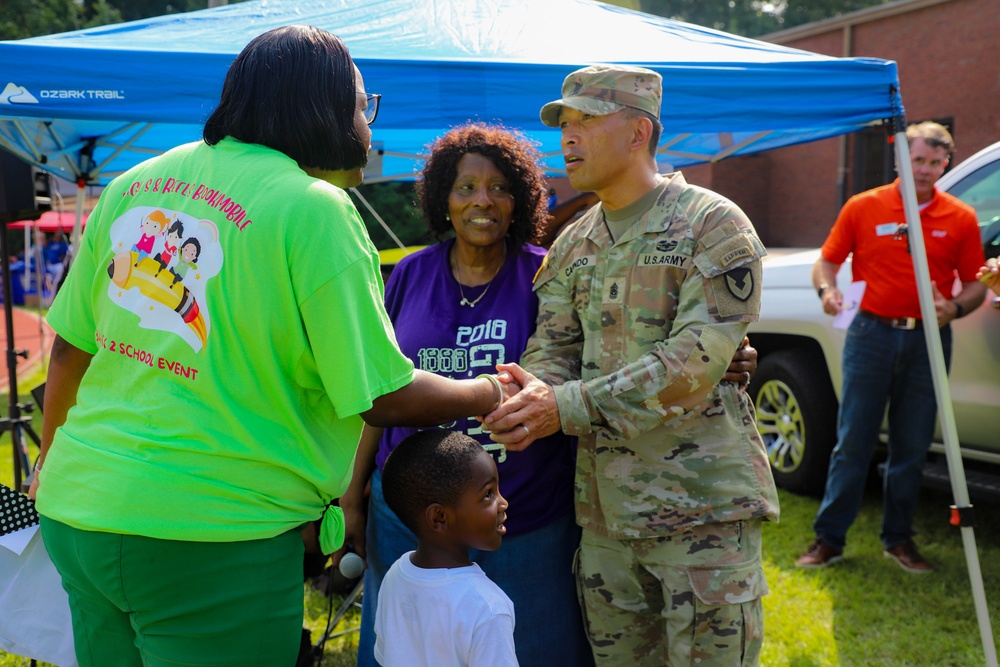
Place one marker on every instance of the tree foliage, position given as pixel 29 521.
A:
pixel 740 17
pixel 798 12
pixel 750 18
pixel 396 204
pixel 29 18
pixel 133 10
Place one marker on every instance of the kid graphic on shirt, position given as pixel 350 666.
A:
pixel 168 255
pixel 151 226
pixel 165 300
pixel 190 250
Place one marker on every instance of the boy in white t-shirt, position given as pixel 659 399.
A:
pixel 436 608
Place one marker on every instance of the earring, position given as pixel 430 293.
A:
pixel 447 217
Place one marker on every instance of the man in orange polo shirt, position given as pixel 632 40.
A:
pixel 885 355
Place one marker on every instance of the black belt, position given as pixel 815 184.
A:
pixel 894 322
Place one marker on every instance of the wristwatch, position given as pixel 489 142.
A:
pixel 822 288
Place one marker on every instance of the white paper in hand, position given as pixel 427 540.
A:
pixel 852 302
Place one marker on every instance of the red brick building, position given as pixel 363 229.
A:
pixel 949 70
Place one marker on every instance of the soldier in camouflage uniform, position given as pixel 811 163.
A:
pixel 642 303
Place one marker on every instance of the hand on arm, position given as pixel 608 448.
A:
pixel 67 365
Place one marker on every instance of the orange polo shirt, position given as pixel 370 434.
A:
pixel 866 227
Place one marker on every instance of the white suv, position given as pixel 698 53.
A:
pixel 797 384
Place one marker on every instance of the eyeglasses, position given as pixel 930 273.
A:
pixel 371 111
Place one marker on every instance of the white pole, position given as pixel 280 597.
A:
pixel 40 274
pixel 74 239
pixel 942 390
pixel 26 274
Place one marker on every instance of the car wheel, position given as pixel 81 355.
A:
pixel 797 418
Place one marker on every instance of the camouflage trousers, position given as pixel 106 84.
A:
pixel 691 598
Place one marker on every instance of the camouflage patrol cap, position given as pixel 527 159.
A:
pixel 604 89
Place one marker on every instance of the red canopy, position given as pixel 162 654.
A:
pixel 51 221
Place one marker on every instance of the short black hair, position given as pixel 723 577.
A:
pixel 513 156
pixel 293 89
pixel 427 467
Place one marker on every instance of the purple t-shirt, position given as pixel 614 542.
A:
pixel 440 336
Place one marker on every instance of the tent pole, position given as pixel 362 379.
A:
pixel 942 390
pixel 378 217
pixel 39 261
pixel 74 240
pixel 26 274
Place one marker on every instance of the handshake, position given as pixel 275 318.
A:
pixel 527 411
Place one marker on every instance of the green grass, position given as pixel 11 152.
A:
pixel 867 611
pixel 24 386
pixel 862 612
pixel 342 646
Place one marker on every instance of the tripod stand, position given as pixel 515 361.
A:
pixel 18 424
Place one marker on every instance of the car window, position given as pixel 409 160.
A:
pixel 981 190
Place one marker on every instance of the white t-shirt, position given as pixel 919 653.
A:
pixel 442 617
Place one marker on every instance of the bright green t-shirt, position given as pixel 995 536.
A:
pixel 233 305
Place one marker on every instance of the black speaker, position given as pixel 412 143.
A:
pixel 18 200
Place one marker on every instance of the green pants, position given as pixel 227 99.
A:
pixel 148 602
pixel 692 598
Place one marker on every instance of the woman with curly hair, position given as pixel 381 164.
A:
pixel 458 308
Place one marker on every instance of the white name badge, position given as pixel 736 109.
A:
pixel 886 229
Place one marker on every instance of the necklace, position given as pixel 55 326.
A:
pixel 458 271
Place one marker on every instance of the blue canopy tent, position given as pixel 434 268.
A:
pixel 91 103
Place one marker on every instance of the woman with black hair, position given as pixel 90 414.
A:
pixel 194 421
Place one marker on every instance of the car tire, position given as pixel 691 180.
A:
pixel 797 418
